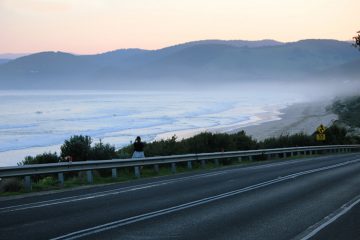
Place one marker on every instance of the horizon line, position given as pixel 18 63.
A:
pixel 168 46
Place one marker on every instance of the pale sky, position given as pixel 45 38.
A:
pixel 93 26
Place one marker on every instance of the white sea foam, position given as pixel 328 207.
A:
pixel 34 122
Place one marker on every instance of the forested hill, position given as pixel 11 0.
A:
pixel 210 62
pixel 348 110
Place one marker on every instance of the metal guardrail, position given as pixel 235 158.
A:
pixel 60 168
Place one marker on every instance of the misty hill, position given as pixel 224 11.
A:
pixel 12 55
pixel 201 62
pixel 2 60
pixel 349 71
pixel 234 43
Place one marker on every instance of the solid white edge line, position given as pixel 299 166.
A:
pixel 141 217
pixel 133 219
pixel 330 219
pixel 133 188
pixel 136 187
pixel 102 193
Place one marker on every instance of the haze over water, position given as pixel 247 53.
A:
pixel 32 122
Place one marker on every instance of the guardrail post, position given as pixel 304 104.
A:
pixel 27 183
pixel 137 171
pixel 89 176
pixel 173 167
pixel 61 179
pixel 114 173
pixel 189 165
pixel 203 163
pixel 240 155
pixel 268 156
pixel 156 168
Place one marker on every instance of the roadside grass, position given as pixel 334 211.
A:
pixel 101 177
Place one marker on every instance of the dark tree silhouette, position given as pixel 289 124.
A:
pixel 78 147
pixel 357 40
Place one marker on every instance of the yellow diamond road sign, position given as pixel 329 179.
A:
pixel 321 129
pixel 320 137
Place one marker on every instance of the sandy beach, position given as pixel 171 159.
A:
pixel 296 118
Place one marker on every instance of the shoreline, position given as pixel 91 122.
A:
pixel 296 118
pixel 259 118
pixel 272 122
pixel 302 117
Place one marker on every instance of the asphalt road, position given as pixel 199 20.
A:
pixel 313 198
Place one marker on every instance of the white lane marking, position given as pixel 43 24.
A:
pixel 100 194
pixel 141 217
pixel 137 187
pixel 330 219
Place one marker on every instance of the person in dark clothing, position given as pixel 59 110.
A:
pixel 138 148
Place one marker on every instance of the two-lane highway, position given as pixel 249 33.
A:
pixel 276 200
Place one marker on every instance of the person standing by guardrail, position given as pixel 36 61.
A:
pixel 138 148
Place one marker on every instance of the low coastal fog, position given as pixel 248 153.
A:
pixel 43 119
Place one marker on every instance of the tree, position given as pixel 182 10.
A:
pixel 357 40
pixel 102 151
pixel 78 147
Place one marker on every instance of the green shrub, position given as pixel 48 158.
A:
pixel 41 159
pixel 295 140
pixel 102 152
pixel 48 181
pixel 11 185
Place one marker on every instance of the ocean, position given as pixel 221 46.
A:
pixel 33 122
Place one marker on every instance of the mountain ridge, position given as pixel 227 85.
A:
pixel 206 61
